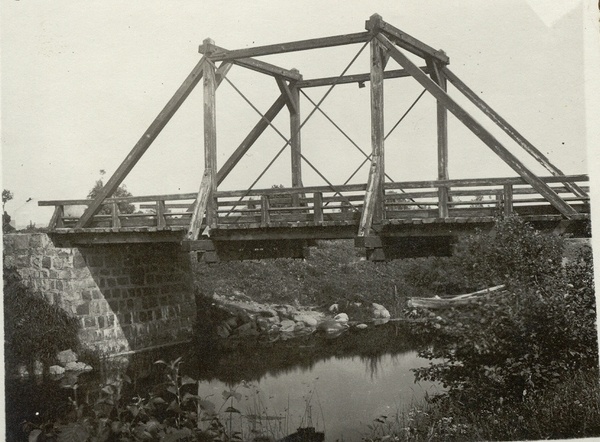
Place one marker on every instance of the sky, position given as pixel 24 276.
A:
pixel 81 82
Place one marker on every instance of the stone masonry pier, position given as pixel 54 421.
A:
pixel 126 296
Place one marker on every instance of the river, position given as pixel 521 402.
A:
pixel 338 386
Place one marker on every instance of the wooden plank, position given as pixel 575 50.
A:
pixel 510 130
pixel 377 127
pixel 160 214
pixel 265 218
pixel 356 78
pixel 301 45
pixel 252 136
pixel 376 24
pixel 200 206
pixel 318 207
pixel 259 66
pixel 296 144
pixel 442 202
pixel 473 182
pixel 477 129
pixel 116 223
pixel 144 142
pixel 210 135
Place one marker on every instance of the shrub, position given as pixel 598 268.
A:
pixel 506 348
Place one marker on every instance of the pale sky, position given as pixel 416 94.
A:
pixel 82 81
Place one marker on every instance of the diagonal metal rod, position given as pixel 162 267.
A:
pixel 388 134
pixel 281 150
pixel 396 125
pixel 367 156
pixel 300 127
pixel 405 113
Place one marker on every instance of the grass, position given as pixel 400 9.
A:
pixel 568 410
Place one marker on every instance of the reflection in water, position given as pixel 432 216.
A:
pixel 334 385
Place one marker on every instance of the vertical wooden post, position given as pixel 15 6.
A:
pixel 116 222
pixel 295 142
pixel 210 132
pixel 265 216
pixel 161 222
pixel 377 129
pixel 318 208
pixel 442 138
pixel 508 199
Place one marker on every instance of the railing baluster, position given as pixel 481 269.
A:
pixel 443 202
pixel 265 217
pixel 508 199
pixel 161 222
pixel 116 222
pixel 318 208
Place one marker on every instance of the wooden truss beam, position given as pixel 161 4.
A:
pixel 356 78
pixel 144 142
pixel 256 65
pixel 302 45
pixel 200 205
pixel 252 136
pixel 374 195
pixel 477 129
pixel 375 24
pixel 510 130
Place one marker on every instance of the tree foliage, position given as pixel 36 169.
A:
pixel 121 191
pixel 7 195
pixel 510 346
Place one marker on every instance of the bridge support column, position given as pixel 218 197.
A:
pixel 295 141
pixel 126 297
pixel 210 131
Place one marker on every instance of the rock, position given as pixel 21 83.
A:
pixel 310 319
pixel 333 308
pixel 38 368
pixel 66 356
pixel 223 330
pixel 341 317
pixel 380 312
pixel 287 325
pixel 22 371
pixel 244 328
pixel 263 324
pixel 285 311
pixel 56 370
pixel 76 366
pixel 361 326
pixel 231 322
pixel 381 321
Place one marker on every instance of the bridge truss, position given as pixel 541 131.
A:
pixel 388 219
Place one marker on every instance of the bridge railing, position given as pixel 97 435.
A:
pixel 324 205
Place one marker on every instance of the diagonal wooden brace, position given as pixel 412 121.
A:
pixel 510 130
pixel 482 133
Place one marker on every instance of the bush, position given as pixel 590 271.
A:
pixel 506 348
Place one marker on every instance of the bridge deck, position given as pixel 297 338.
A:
pixel 411 208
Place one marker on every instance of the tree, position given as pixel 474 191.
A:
pixel 121 192
pixel 7 195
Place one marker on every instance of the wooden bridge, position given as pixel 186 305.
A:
pixel 388 219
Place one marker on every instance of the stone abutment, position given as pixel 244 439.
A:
pixel 125 296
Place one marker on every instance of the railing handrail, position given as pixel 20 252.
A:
pixel 472 182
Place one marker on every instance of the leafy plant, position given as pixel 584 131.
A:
pixel 508 347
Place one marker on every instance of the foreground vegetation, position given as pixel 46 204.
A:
pixel 521 366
